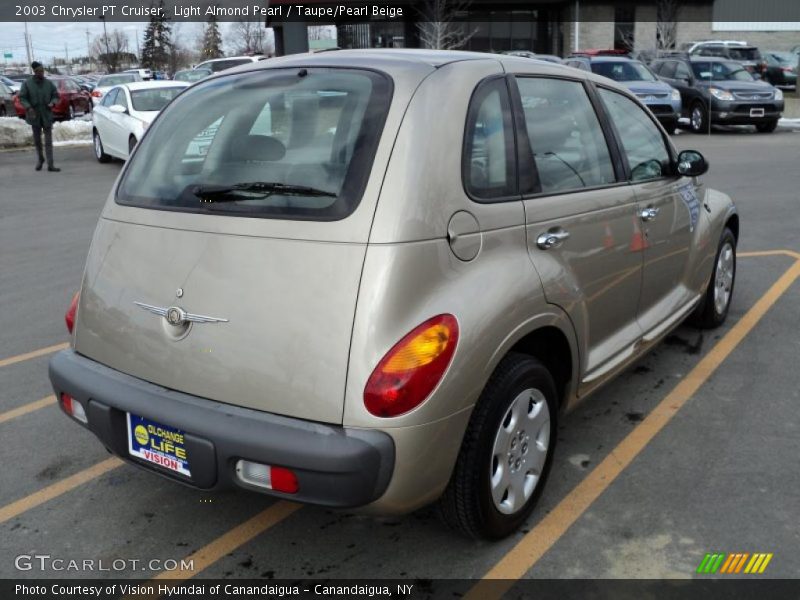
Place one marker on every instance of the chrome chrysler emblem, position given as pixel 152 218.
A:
pixel 176 316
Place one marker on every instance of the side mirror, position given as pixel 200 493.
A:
pixel 691 163
pixel 120 110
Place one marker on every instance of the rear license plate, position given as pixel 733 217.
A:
pixel 756 112
pixel 158 444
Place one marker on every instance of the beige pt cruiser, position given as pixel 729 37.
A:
pixel 375 279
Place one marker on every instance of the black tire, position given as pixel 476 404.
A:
pixel 70 113
pixel 99 151
pixel 767 126
pixel 131 145
pixel 2 110
pixel 709 314
pixel 467 504
pixel 671 127
pixel 698 117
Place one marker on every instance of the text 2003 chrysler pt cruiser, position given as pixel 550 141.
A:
pixel 374 278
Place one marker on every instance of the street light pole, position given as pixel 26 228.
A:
pixel 105 35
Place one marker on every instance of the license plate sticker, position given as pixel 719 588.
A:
pixel 158 444
pixel 756 112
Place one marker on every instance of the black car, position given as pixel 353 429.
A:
pixel 749 56
pixel 721 92
pixel 781 68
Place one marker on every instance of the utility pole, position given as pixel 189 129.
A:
pixel 105 35
pixel 28 44
pixel 89 50
pixel 67 66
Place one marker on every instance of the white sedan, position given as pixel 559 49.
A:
pixel 125 112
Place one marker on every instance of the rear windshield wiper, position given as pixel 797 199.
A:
pixel 254 190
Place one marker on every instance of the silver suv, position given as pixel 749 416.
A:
pixel 375 279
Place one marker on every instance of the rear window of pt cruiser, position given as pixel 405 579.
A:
pixel 279 143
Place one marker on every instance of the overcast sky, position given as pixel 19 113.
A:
pixel 49 38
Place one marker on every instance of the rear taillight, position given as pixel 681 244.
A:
pixel 73 408
pixel 407 374
pixel 72 312
pixel 97 94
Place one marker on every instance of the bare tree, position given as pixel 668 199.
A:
pixel 438 27
pixel 667 23
pixel 320 32
pixel 250 37
pixel 111 50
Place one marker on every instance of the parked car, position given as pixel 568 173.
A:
pixel 749 56
pixel 10 83
pixel 145 74
pixel 690 47
pixel 660 97
pixel 106 82
pixel 192 75
pixel 17 80
pixel 781 68
pixel 84 83
pixel 220 64
pixel 6 100
pixel 125 112
pixel 336 306
pixel 716 91
pixel 73 101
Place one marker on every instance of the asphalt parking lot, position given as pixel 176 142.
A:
pixel 692 451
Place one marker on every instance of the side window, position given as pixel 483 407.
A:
pixel 682 71
pixel 488 160
pixel 642 142
pixel 668 69
pixel 566 139
pixel 110 98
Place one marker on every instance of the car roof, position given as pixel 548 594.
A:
pixel 148 85
pixel 601 59
pixel 403 61
pixel 210 60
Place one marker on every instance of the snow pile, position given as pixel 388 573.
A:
pixel 15 133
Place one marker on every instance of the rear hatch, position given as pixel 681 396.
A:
pixel 246 208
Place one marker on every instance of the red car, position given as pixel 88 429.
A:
pixel 72 100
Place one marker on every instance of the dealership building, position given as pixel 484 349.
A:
pixel 564 26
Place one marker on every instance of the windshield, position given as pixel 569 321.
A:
pixel 192 74
pixel 110 80
pixel 623 71
pixel 720 71
pixel 315 129
pixel 744 53
pixel 153 99
pixel 221 65
pixel 784 58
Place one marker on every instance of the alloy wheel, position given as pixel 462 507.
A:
pixel 723 280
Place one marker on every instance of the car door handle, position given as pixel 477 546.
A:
pixel 649 213
pixel 551 239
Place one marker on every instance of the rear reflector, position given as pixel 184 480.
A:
pixel 73 408
pixel 279 479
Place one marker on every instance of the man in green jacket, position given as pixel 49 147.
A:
pixel 39 95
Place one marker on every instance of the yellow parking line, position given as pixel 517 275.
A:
pixel 27 408
pixel 29 355
pixel 541 538
pixel 233 539
pixel 791 253
pixel 57 489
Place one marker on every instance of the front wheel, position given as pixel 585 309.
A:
pixel 768 126
pixel 506 452
pixel 70 113
pixel 131 145
pixel 713 308
pixel 699 118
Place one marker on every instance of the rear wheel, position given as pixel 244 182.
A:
pixel 767 126
pixel 713 309
pixel 2 110
pixel 506 452
pixel 70 113
pixel 99 153
pixel 699 118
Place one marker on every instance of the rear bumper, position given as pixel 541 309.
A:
pixel 335 466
